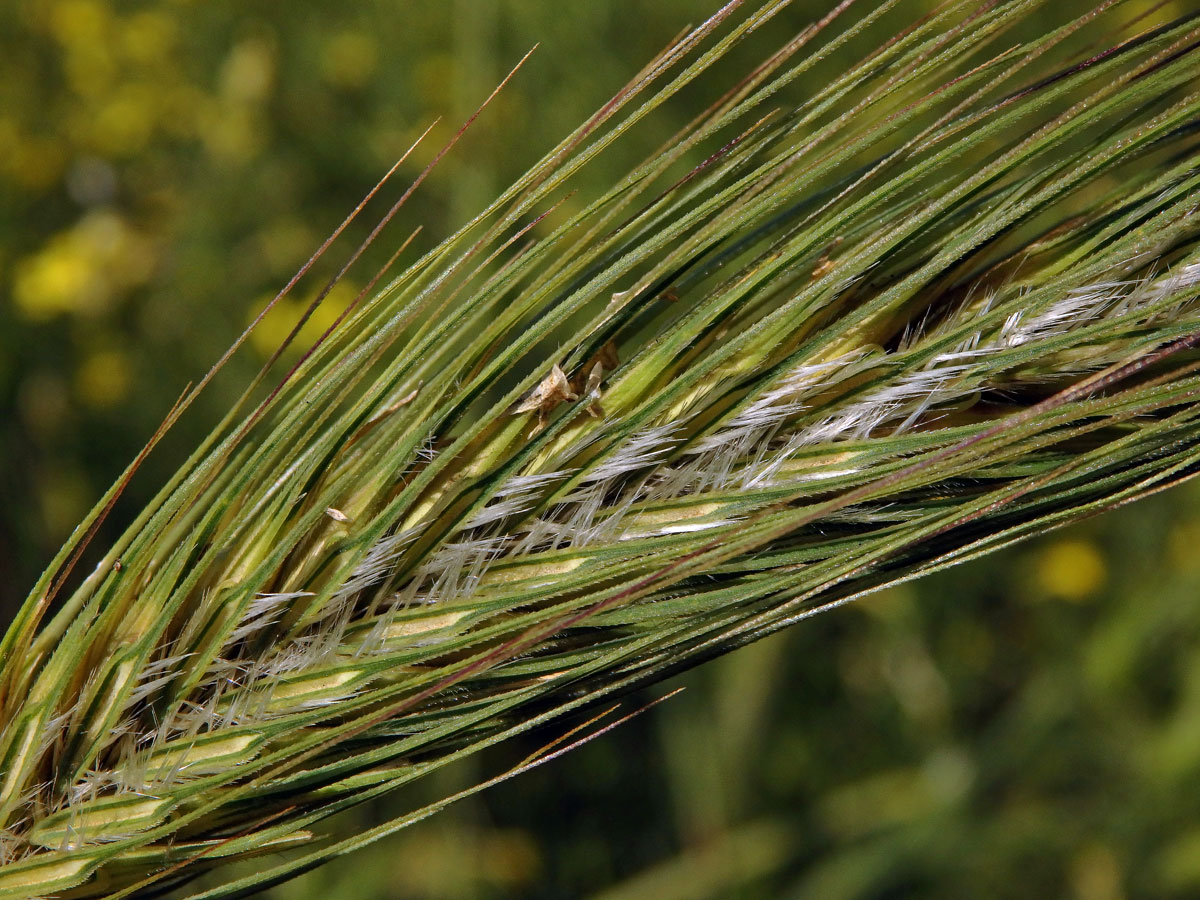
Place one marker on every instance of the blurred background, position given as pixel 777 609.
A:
pixel 1024 726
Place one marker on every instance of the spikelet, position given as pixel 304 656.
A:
pixel 944 301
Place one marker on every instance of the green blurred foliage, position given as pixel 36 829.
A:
pixel 1024 726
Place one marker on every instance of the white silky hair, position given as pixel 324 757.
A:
pixel 658 463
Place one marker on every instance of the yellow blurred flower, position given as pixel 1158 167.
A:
pixel 34 162
pixel 1072 570
pixel 103 378
pixel 1182 543
pixel 58 279
pixel 349 59
pixel 149 37
pixel 82 270
pixel 79 23
pixel 248 74
pixel 83 28
pixel 124 124
pixel 278 323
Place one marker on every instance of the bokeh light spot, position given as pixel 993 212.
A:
pixel 1072 570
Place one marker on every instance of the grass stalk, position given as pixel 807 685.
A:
pixel 831 337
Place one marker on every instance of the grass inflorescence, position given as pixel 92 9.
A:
pixel 946 299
